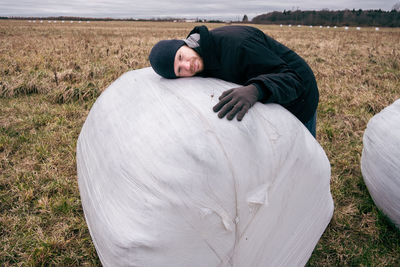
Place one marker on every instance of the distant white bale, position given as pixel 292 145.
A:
pixel 299 26
pixel 346 28
pixel 380 161
pixel 335 27
pixel 310 26
pixel 328 27
pixel 281 25
pixel 358 28
pixel 290 25
pixel 320 26
pixel 165 182
pixel 376 29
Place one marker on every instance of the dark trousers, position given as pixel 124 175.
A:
pixel 311 124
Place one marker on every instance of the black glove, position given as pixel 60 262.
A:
pixel 237 101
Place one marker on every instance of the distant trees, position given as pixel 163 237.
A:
pixel 338 18
pixel 245 19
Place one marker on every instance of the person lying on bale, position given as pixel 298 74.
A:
pixel 268 71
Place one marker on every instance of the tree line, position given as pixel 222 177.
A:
pixel 353 17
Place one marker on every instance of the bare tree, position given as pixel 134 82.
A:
pixel 396 6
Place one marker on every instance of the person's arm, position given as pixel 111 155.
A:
pixel 280 83
pixel 270 78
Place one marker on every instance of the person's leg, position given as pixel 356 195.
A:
pixel 311 124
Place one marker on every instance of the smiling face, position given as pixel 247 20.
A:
pixel 187 62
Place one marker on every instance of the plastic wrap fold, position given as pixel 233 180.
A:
pixel 165 182
pixel 380 161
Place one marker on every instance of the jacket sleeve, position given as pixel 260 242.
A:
pixel 264 68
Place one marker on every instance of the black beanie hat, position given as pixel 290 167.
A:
pixel 162 57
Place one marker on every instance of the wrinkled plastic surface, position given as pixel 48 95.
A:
pixel 380 161
pixel 165 182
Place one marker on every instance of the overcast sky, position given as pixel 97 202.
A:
pixel 217 9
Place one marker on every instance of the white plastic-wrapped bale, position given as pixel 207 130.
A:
pixel 165 182
pixel 380 161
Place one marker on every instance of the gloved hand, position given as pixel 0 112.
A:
pixel 237 101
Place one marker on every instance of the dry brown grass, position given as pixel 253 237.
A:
pixel 50 75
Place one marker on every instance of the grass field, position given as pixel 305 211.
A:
pixel 51 74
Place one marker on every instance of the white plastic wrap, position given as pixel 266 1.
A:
pixel 380 161
pixel 165 182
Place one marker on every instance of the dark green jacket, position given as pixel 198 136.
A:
pixel 245 55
